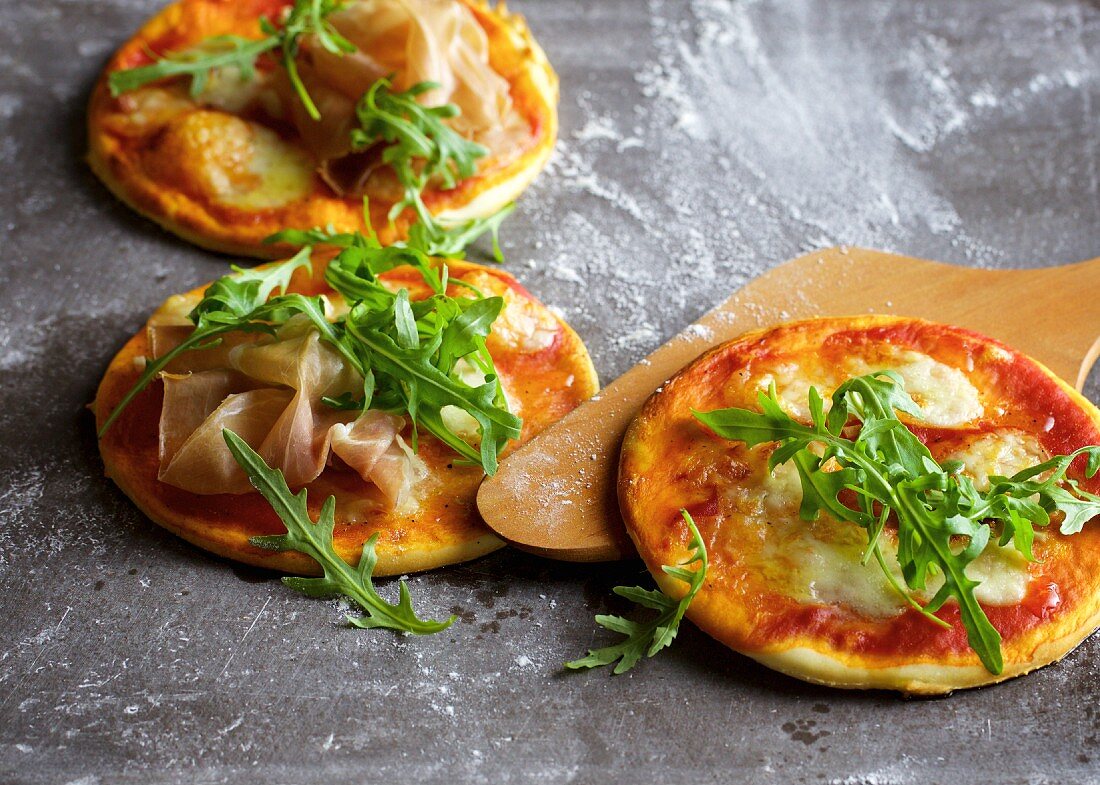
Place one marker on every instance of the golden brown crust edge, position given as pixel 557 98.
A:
pixel 292 562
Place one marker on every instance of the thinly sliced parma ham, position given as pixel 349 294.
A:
pixel 270 394
pixel 371 446
pixel 202 463
pixel 414 41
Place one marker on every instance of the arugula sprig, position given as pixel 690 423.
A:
pixel 198 62
pixel 305 18
pixel 448 241
pixel 421 148
pixel 650 636
pixel 233 303
pixel 893 475
pixel 421 145
pixel 451 240
pixel 315 540
pixel 407 352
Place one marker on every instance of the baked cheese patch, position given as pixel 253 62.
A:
pixel 794 594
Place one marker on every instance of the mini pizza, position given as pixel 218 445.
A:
pixel 284 392
pixel 788 583
pixel 301 110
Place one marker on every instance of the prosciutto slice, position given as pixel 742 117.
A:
pixel 201 463
pixel 372 447
pixel 414 40
pixel 270 394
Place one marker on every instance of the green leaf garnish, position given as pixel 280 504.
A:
pixel 306 17
pixel 448 241
pixel 233 303
pixel 407 352
pixel 315 540
pixel 198 62
pixel 421 145
pixel 451 240
pixel 311 237
pixel 892 474
pixel 650 636
pixel 421 148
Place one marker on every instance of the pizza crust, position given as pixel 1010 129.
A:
pixel 919 678
pixel 547 378
pixel 751 601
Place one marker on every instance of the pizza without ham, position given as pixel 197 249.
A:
pixel 793 594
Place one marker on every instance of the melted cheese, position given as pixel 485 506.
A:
pixel 792 385
pixel 521 325
pixel 1003 453
pixel 819 562
pixel 459 421
pixel 833 575
pixel 945 395
pixel 1002 572
pixel 230 160
pixel 782 490
pixel 284 173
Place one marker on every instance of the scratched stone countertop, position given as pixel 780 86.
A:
pixel 702 143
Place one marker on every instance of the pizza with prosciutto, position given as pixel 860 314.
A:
pixel 797 594
pixel 242 151
pixel 166 449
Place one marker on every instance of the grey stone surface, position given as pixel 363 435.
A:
pixel 702 143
